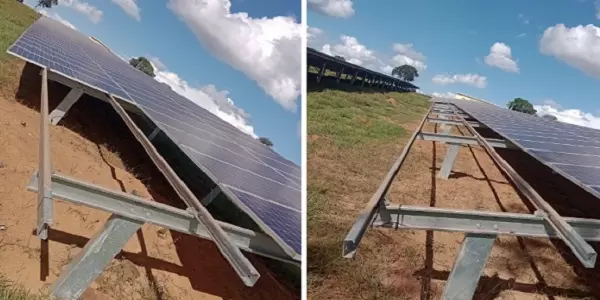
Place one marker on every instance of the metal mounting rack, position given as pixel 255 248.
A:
pixel 130 212
pixel 481 228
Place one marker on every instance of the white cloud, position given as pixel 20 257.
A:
pixel 475 80
pixel 523 34
pixel 56 17
pixel 130 7
pixel 355 52
pixel 597 6
pixel 334 8
pixel 552 103
pixel 208 97
pixel 444 95
pixel 578 46
pixel 267 50
pixel 500 56
pixel 406 55
pixel 156 63
pixel 314 36
pixel 90 11
pixel 571 116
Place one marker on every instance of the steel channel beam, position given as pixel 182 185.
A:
pixel 140 209
pixel 231 252
pixel 483 222
pixel 465 140
pixel 453 122
pixel 44 197
pixel 584 252
pixel 359 227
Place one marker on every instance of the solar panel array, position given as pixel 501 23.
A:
pixel 572 151
pixel 261 182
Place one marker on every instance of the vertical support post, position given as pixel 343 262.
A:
pixel 384 217
pixel 321 72
pixel 363 80
pixel 468 266
pixel 354 78
pixel 339 75
pixel 63 107
pixel 449 159
pixel 44 199
pixel 94 257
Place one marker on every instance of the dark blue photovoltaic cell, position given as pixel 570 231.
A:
pixel 285 222
pixel 567 158
pixel 571 149
pixel 254 172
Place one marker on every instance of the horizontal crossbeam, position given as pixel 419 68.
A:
pixel 483 222
pixel 139 209
pixel 452 122
pixel 464 140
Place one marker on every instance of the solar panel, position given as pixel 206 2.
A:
pixel 572 151
pixel 258 180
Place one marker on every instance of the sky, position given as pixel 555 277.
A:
pixel 547 52
pixel 241 60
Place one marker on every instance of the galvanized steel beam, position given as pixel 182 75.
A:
pixel 144 210
pixel 63 107
pixel 464 140
pixel 44 196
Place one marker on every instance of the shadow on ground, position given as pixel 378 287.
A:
pixel 96 121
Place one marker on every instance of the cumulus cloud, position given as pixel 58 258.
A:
pixel 56 17
pixel 129 7
pixel 523 34
pixel 444 95
pixel 578 46
pixel 571 116
pixel 405 54
pixel 267 50
pixel 500 56
pixel 208 97
pixel 355 52
pixel 90 11
pixel 334 8
pixel 468 79
pixel 314 36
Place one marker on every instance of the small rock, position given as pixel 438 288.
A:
pixel 73 246
pixel 161 232
pixel 23 123
pixel 3 227
pixel 136 193
pixel 2 165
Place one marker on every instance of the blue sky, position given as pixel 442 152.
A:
pixel 555 67
pixel 210 53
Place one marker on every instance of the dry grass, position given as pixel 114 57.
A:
pixel 352 140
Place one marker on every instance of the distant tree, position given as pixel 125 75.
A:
pixel 522 105
pixel 405 72
pixel 265 141
pixel 21 1
pixel 143 65
pixel 46 3
pixel 340 57
pixel 550 117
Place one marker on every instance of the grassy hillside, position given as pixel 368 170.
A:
pixel 352 141
pixel 14 19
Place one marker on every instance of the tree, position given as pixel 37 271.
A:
pixel 522 105
pixel 265 141
pixel 143 65
pixel 340 57
pixel 46 3
pixel 405 72
pixel 550 117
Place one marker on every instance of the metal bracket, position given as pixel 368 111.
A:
pixel 63 107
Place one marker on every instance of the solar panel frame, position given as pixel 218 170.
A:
pixel 584 184
pixel 295 250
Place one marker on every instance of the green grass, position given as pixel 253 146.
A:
pixel 356 119
pixel 352 140
pixel 10 291
pixel 14 19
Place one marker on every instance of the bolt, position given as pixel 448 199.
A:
pixel 478 226
pixel 495 226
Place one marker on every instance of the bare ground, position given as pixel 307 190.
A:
pixel 409 264
pixel 91 146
